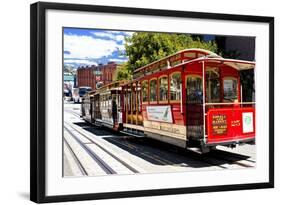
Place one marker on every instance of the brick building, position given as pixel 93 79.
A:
pixel 91 75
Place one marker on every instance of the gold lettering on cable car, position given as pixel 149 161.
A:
pixel 219 124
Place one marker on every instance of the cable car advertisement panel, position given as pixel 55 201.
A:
pixel 227 125
pixel 159 113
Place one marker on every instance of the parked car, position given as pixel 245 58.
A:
pixel 67 95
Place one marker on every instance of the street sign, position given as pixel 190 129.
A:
pixel 98 77
pixel 97 72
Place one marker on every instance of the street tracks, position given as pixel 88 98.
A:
pixel 98 153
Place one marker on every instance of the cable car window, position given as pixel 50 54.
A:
pixel 109 101
pixel 129 100
pixel 102 100
pixel 138 96
pixel 153 90
pixel 106 100
pixel 134 98
pixel 144 91
pixel 213 85
pixel 175 86
pixel 139 101
pixel 194 91
pixel 163 88
pixel 230 89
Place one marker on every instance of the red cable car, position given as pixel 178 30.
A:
pixel 191 99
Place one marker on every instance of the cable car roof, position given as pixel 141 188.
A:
pixel 191 53
pixel 116 85
pixel 188 56
pixel 236 64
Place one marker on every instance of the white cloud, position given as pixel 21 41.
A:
pixel 116 36
pixel 129 33
pixel 79 61
pixel 104 34
pixel 83 47
pixel 119 38
pixel 114 32
pixel 120 47
pixel 118 60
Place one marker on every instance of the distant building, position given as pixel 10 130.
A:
pixel 68 84
pixel 237 47
pixel 91 75
pixel 69 81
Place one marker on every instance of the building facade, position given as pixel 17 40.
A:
pixel 92 75
pixel 237 47
pixel 69 81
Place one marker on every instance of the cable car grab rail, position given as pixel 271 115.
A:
pixel 234 103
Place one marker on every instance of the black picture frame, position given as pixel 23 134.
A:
pixel 38 100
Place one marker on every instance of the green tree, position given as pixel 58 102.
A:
pixel 123 73
pixel 143 48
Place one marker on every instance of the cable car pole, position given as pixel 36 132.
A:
pixel 203 101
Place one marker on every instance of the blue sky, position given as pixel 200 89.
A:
pixel 84 47
pixel 91 46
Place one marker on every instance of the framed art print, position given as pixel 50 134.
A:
pixel 129 102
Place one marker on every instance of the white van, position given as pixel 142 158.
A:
pixel 78 93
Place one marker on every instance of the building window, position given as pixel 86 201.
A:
pixel 163 88
pixel 230 89
pixel 153 90
pixel 144 91
pixel 175 86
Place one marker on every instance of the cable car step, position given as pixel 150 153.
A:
pixel 134 134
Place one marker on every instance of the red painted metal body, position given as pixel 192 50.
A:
pixel 189 99
pixel 225 125
pixel 193 63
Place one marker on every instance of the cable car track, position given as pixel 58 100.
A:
pixel 76 159
pixel 72 112
pixel 152 157
pixel 208 159
pixel 125 164
pixel 158 158
pixel 104 166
